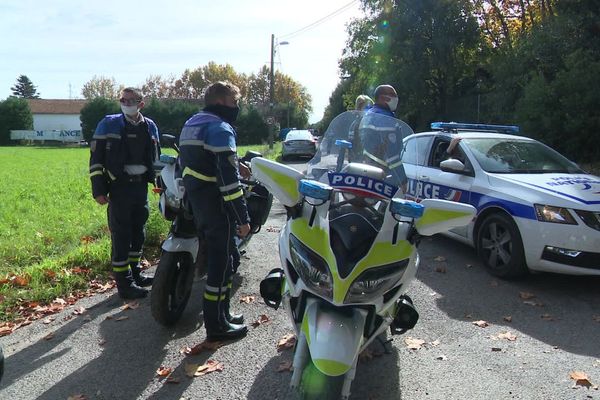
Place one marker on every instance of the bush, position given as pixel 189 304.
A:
pixel 14 115
pixel 93 112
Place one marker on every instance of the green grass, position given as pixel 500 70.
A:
pixel 51 228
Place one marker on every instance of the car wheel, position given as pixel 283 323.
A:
pixel 500 247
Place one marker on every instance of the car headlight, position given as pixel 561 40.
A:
pixel 558 215
pixel 374 282
pixel 312 268
pixel 591 218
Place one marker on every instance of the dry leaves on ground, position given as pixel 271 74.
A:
pixel 77 397
pixel 121 318
pixel 285 366
pixel 263 319
pixel 526 295
pixel 533 303
pixel 507 335
pixel 481 323
pixel 130 306
pixel 79 310
pixel 414 344
pixel 247 299
pixel 49 336
pixel 164 371
pixel 199 348
pixel 439 259
pixel 286 342
pixel 547 317
pixel 581 379
pixel 507 318
pixel 193 370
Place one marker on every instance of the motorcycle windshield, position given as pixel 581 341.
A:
pixel 365 137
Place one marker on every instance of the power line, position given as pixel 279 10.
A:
pixel 319 22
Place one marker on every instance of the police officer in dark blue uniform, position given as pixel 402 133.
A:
pixel 211 179
pixel 123 150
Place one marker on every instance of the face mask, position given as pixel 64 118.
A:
pixel 229 114
pixel 392 103
pixel 129 110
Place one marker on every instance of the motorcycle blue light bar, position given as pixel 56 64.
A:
pixel 407 208
pixel 343 143
pixel 474 127
pixel 314 189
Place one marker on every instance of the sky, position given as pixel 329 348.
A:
pixel 61 44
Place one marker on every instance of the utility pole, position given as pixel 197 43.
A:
pixel 272 92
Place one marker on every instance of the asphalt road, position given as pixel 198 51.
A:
pixel 101 356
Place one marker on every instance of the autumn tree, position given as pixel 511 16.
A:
pixel 158 87
pixel 100 86
pixel 24 88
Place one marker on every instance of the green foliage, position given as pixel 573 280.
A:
pixel 14 115
pixel 93 112
pixel 24 88
pixel 169 114
pixel 251 127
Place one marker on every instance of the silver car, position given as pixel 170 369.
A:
pixel 298 143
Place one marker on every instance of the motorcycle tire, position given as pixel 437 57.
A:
pixel 172 287
pixel 315 385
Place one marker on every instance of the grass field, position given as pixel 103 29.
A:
pixel 53 235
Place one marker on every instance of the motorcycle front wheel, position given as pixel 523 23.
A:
pixel 172 287
pixel 315 385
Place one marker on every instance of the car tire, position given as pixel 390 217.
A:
pixel 500 247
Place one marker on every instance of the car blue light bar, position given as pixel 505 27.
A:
pixel 407 208
pixel 474 127
pixel 314 189
pixel 343 143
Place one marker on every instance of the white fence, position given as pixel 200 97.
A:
pixel 60 136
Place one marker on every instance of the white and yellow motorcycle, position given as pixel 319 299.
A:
pixel 348 249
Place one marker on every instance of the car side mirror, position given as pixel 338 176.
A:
pixel 453 165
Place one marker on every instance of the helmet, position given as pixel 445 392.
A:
pixel 258 202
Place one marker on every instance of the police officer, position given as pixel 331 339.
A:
pixel 211 179
pixel 381 137
pixel 123 150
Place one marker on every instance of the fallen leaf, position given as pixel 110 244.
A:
pixel 263 319
pixel 533 303
pixel 130 306
pixel 48 320
pixel 193 370
pixel 79 310
pixel 496 349
pixel 439 259
pixel 441 357
pixel 79 270
pixel 285 366
pixel 164 371
pixel 247 299
pixel 286 342
pixel 172 379
pixel 508 336
pixel 507 318
pixel 547 317
pixel 441 269
pixel 49 336
pixel 77 397
pixel 481 323
pixel 122 318
pixel 199 348
pixel 435 343
pixel 20 280
pixel 6 330
pixel 414 344
pixel 526 295
pixel 580 378
pixel 101 342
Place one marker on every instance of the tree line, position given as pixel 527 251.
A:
pixel 534 63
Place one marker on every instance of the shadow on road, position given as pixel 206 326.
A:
pixel 562 312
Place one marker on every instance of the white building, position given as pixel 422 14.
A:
pixel 56 114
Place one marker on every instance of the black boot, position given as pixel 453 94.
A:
pixel 232 318
pixel 218 328
pixel 140 280
pixel 126 286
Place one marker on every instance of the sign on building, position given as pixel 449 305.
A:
pixel 60 136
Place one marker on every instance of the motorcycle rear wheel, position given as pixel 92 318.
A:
pixel 315 385
pixel 172 287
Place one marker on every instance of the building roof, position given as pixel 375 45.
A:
pixel 55 106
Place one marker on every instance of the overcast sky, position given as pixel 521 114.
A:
pixel 62 44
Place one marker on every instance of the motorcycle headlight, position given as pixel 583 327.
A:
pixel 374 282
pixel 558 215
pixel 312 268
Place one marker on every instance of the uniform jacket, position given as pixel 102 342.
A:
pixel 109 153
pixel 209 162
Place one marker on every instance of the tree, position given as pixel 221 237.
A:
pixel 156 86
pixel 14 115
pixel 100 86
pixel 170 114
pixel 251 127
pixel 24 88
pixel 93 112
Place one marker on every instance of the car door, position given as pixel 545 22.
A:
pixel 438 184
pixel 416 152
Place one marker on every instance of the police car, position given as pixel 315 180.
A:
pixel 536 210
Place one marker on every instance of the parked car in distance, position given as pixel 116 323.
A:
pixel 536 210
pixel 298 142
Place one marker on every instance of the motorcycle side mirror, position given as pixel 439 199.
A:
pixel 168 140
pixel 250 154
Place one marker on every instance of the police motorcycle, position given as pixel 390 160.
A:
pixel 182 252
pixel 348 251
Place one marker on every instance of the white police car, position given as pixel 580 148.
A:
pixel 536 210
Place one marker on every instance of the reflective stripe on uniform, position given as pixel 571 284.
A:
pixel 372 157
pixel 198 175
pixel 96 166
pixel 233 196
pixel 227 188
pixel 114 135
pixel 95 173
pixel 212 297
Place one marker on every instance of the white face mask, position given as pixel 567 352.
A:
pixel 129 110
pixel 392 103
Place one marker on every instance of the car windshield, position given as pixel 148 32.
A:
pixel 359 137
pixel 514 156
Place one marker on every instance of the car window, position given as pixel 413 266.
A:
pixel 299 135
pixel 518 156
pixel 416 149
